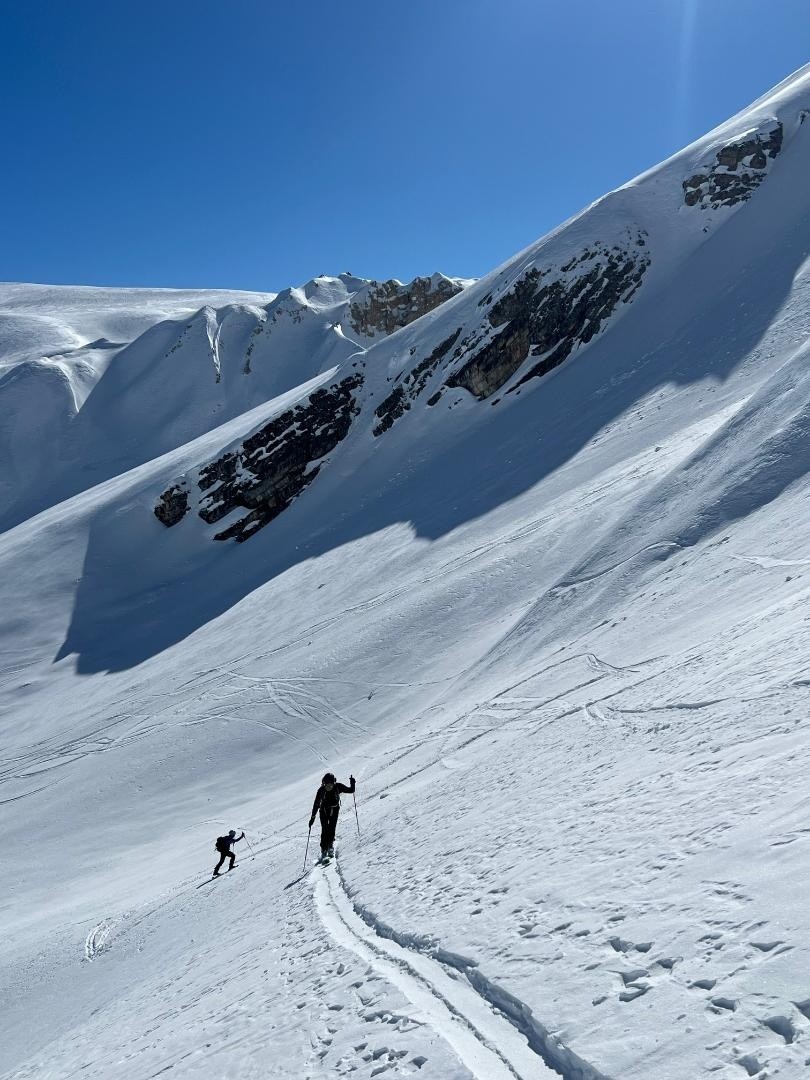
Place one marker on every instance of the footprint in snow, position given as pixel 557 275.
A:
pixel 632 987
pixel 703 984
pixel 668 962
pixel 767 946
pixel 621 945
pixel 632 992
pixel 723 1004
pixel 631 976
pixel 751 1065
pixel 782 1026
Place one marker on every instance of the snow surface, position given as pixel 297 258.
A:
pixel 562 643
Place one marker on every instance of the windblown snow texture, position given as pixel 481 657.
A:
pixel 526 555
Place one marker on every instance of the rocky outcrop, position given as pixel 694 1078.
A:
pixel 549 316
pixel 739 169
pixel 275 463
pixel 390 305
pixel 413 383
pixel 173 505
pixel 257 330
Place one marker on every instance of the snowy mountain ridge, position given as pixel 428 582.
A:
pixel 530 566
pixel 178 365
pixel 515 325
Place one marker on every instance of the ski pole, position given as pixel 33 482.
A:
pixel 356 818
pixel 309 833
pixel 252 852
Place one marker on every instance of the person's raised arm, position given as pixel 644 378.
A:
pixel 347 790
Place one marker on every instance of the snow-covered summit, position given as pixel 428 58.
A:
pixel 531 568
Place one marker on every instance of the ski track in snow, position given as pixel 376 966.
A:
pixel 485 1042
pixel 493 1033
pixel 97 939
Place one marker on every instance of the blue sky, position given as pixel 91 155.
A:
pixel 254 144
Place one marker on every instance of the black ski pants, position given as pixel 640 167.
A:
pixel 329 819
pixel 223 856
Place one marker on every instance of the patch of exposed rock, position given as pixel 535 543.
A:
pixel 173 505
pixel 739 169
pixel 411 386
pixel 550 318
pixel 390 305
pixel 274 464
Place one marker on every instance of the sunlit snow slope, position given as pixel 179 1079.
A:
pixel 530 566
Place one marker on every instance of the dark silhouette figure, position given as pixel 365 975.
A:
pixel 327 800
pixel 223 846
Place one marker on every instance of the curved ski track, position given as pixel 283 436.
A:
pixel 96 940
pixel 492 1032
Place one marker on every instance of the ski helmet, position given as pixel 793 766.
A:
pixel 328 778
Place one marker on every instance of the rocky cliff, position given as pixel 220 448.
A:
pixel 737 171
pixel 387 306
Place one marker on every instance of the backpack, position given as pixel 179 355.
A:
pixel 223 845
pixel 330 800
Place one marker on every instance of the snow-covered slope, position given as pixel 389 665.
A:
pixel 532 568
pixel 96 381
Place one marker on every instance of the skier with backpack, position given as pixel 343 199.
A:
pixel 223 846
pixel 327 801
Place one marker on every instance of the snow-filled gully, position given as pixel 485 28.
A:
pixel 492 1032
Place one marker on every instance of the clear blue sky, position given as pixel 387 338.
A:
pixel 255 143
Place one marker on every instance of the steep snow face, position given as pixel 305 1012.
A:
pixel 56 343
pixel 641 262
pixel 556 627
pixel 96 381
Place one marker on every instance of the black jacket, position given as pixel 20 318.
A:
pixel 224 843
pixel 329 801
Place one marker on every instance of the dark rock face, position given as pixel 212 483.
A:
pixel 549 320
pixel 257 330
pixel 173 505
pixel 413 383
pixel 394 406
pixel 739 170
pixel 389 306
pixel 275 464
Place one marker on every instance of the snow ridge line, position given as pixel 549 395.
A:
pixel 563 1061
